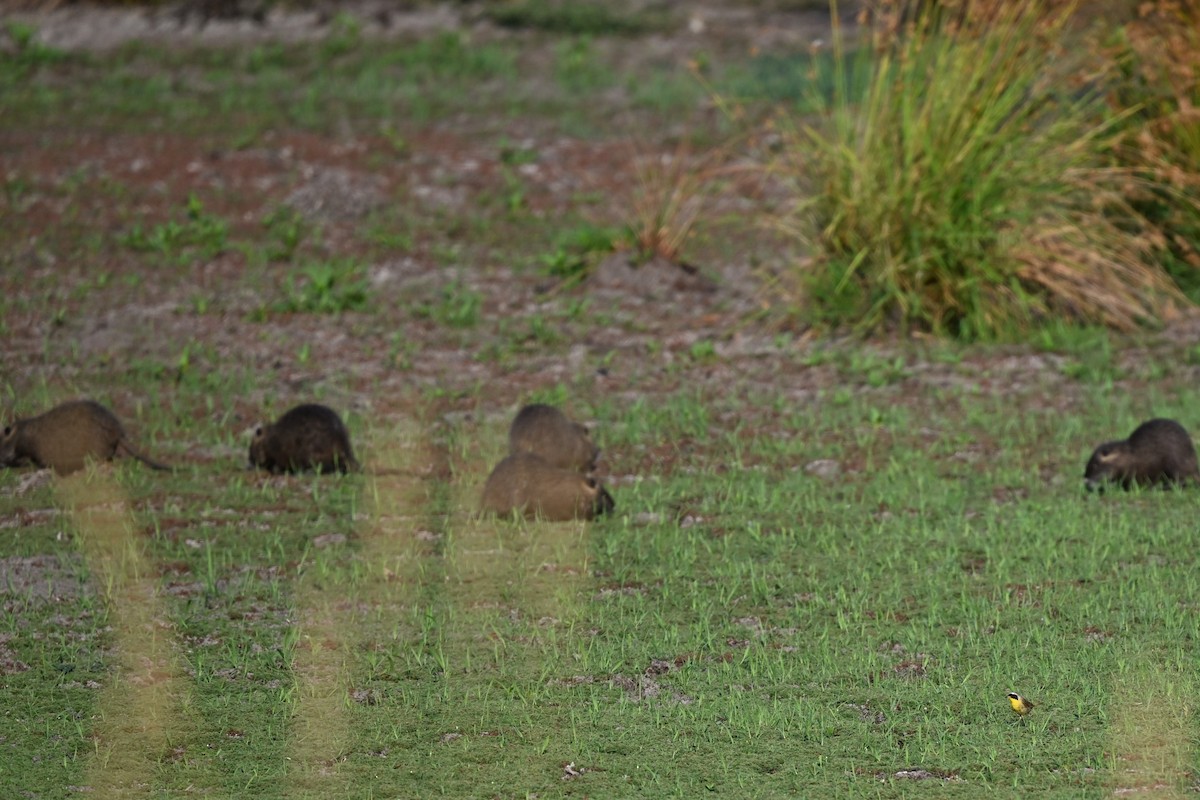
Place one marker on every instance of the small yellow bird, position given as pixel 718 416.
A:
pixel 1020 705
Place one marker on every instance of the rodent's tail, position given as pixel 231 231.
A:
pixel 149 462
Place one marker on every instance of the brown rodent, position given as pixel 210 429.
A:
pixel 545 431
pixel 527 484
pixel 1159 452
pixel 66 437
pixel 307 437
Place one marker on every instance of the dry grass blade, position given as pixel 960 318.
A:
pixel 1114 286
pixel 672 195
pixel 1157 65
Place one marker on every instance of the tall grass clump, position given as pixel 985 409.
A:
pixel 953 181
pixel 671 194
pixel 1157 55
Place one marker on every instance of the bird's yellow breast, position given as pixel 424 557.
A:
pixel 1019 704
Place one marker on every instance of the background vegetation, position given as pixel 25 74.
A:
pixel 979 168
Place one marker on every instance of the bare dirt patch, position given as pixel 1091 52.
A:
pixel 40 580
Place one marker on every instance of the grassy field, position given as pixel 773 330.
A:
pixel 830 559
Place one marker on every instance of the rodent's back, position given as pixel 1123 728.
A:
pixel 526 483
pixel 1158 452
pixel 545 431
pixel 309 436
pixel 64 437
pixel 1164 445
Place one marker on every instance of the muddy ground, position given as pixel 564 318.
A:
pixel 720 324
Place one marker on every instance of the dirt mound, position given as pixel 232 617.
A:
pixel 656 279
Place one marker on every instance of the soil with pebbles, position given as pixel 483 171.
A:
pixel 665 325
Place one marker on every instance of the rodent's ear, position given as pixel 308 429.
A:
pixel 258 431
pixel 1106 456
pixel 591 482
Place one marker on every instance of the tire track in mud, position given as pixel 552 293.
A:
pixel 513 588
pixel 439 576
pixel 1150 742
pixel 406 501
pixel 136 711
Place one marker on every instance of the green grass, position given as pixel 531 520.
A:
pixel 246 92
pixel 199 235
pixel 456 305
pixel 576 250
pixel 582 17
pixel 782 634
pixel 327 288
